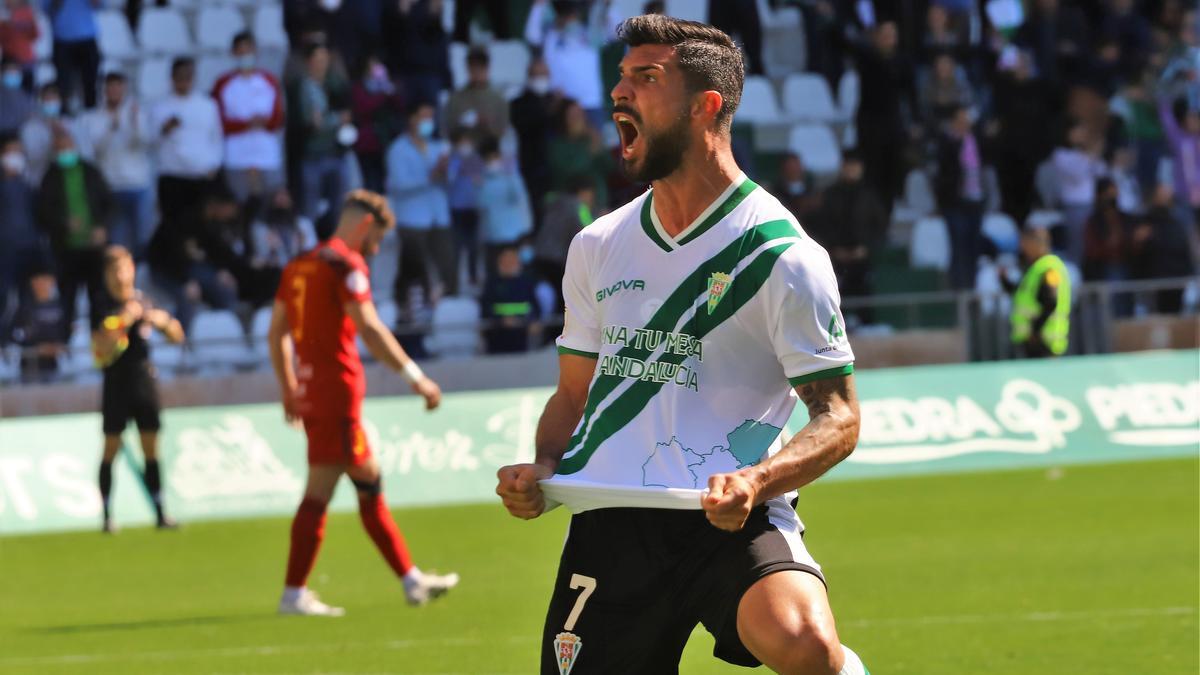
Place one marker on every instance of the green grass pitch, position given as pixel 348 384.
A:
pixel 1080 570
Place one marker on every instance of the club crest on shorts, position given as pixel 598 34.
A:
pixel 566 649
pixel 718 283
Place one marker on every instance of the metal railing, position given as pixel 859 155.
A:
pixel 982 317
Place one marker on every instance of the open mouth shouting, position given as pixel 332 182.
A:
pixel 627 127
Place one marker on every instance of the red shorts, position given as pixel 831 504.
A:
pixel 336 440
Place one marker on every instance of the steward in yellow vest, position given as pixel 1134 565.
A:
pixel 1041 307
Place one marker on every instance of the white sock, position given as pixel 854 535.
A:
pixel 853 664
pixel 292 593
pixel 412 577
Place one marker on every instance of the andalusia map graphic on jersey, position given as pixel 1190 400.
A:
pixel 747 443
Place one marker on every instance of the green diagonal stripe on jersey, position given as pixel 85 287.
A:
pixel 731 202
pixel 634 400
pixel 681 300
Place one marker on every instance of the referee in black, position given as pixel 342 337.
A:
pixel 121 348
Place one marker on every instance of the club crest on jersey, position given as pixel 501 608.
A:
pixel 566 650
pixel 718 284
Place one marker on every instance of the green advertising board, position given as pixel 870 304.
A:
pixel 238 461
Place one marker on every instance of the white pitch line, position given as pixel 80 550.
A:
pixel 1027 616
pixel 273 650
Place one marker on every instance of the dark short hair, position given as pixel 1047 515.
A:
pixel 371 203
pixel 49 86
pixel 115 76
pixel 244 36
pixel 707 56
pixel 489 145
pixel 478 56
pixel 180 63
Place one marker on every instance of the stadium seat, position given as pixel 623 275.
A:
pixel 918 193
pixel 848 94
pixel 163 30
pixel 455 327
pixel 388 313
pixel 166 356
pixel 458 64
pixel 268 27
pixel 929 245
pixel 154 79
pixel 1044 219
pixel 818 146
pixel 216 25
pixel 807 97
pixel 758 104
pixel 210 67
pixel 692 10
pixel 1002 230
pixel 44 73
pixel 78 360
pixel 43 47
pixel 509 63
pixel 116 40
pixel 217 341
pixel 1046 181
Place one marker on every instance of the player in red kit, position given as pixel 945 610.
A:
pixel 323 302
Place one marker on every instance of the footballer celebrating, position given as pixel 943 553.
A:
pixel 120 346
pixel 323 302
pixel 696 316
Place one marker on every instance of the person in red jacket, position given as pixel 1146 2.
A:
pixel 251 104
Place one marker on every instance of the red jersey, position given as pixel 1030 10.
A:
pixel 315 287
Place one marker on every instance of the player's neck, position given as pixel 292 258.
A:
pixel 681 197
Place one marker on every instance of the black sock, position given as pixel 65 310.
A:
pixel 154 485
pixel 105 485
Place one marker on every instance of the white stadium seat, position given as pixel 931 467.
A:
pixel 918 193
pixel 268 27
pixel 758 105
pixel 211 67
pixel 116 40
pixel 692 10
pixel 509 63
pixel 807 97
pixel 43 47
pixel 458 64
pixel 455 327
pixel 163 30
pixel 929 245
pixel 848 94
pixel 154 79
pixel 216 25
pixel 818 146
pixel 217 340
pixel 1002 230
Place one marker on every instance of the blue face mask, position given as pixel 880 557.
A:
pixel 425 128
pixel 12 79
pixel 67 158
pixel 51 108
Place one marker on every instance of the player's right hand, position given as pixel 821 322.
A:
pixel 430 391
pixel 518 489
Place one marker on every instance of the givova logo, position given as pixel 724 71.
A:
pixel 623 285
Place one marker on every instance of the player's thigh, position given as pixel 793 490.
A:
pixel 365 472
pixel 336 440
pixel 785 621
pixel 612 609
pixel 322 481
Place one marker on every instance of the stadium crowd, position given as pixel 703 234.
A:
pixel 1088 111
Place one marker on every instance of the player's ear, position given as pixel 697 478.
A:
pixel 708 104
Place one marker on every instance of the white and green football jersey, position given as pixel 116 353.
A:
pixel 699 339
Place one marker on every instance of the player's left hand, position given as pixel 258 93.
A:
pixel 730 498
pixel 430 391
pixel 291 411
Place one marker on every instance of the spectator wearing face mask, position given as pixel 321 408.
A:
pixel 378 112
pixel 478 107
pixel 417 169
pixel 18 230
pixel 16 105
pixel 797 188
pixel 73 208
pixel 121 137
pixel 250 101
pixel 570 34
pixel 504 215
pixel 40 328
pixel 37 133
pixel 18 33
pixel 464 173
pixel 533 114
